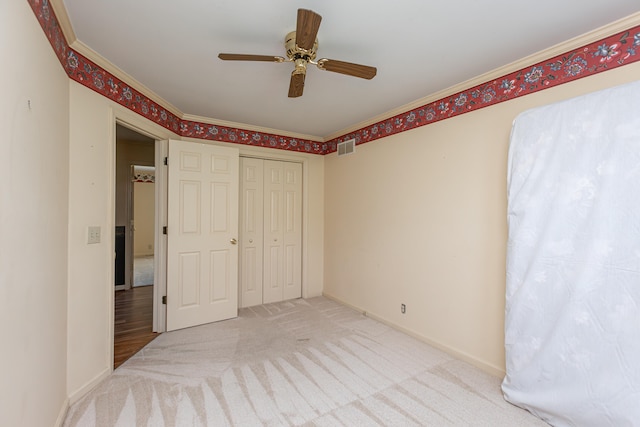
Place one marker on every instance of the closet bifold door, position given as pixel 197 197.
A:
pixel 282 231
pixel 251 231
pixel 292 230
pixel 273 278
pixel 270 267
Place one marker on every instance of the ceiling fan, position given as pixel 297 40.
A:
pixel 301 46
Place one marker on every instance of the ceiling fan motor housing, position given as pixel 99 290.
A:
pixel 294 52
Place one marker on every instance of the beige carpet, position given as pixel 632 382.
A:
pixel 303 362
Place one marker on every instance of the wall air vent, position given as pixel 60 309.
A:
pixel 346 147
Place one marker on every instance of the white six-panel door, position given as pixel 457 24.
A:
pixel 202 255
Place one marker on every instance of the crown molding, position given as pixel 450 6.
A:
pixel 72 41
pixel 245 126
pixel 63 20
pixel 558 49
pixel 109 67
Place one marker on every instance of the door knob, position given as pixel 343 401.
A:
pixel 233 241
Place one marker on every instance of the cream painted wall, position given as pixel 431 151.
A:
pixel 33 222
pixel 143 216
pixel 129 153
pixel 420 218
pixel 92 203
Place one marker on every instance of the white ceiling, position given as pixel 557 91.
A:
pixel 420 47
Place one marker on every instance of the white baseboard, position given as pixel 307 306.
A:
pixel 63 413
pixel 79 394
pixel 486 367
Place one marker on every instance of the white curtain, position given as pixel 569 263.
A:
pixel 573 261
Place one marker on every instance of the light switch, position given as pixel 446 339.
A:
pixel 93 235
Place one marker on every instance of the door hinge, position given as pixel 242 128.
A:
pixel 164 299
pixel 164 229
pixel 166 160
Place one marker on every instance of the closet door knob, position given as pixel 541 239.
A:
pixel 233 241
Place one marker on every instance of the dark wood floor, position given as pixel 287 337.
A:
pixel 133 322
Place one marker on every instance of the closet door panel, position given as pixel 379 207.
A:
pixel 292 230
pixel 251 231
pixel 273 284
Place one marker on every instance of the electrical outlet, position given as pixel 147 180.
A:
pixel 93 235
pixel 403 308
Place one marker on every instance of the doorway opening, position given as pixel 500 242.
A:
pixel 142 220
pixel 135 257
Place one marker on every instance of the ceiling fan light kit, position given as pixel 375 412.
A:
pixel 301 46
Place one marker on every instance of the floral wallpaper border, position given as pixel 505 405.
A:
pixel 89 74
pixel 144 178
pixel 143 174
pixel 606 54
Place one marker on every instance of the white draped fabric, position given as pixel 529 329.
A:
pixel 573 262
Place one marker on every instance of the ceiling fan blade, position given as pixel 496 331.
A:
pixel 245 57
pixel 356 70
pixel 296 85
pixel 307 28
